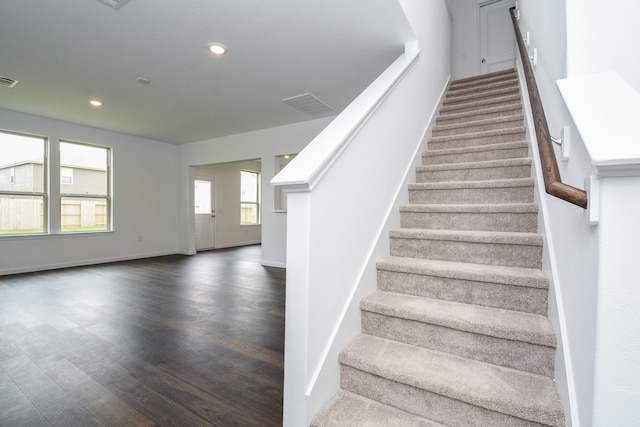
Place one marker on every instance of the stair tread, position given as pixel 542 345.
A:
pixel 515 276
pixel 506 107
pixel 471 208
pixel 484 77
pixel 479 103
pixel 348 409
pixel 453 98
pixel 495 120
pixel 494 322
pixel 497 237
pixel 517 393
pixel 477 148
pixel 518 161
pixel 507 81
pixel 493 183
pixel 480 134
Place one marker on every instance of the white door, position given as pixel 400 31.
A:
pixel 497 39
pixel 204 191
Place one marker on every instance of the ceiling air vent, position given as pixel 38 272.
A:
pixel 114 4
pixel 7 82
pixel 307 103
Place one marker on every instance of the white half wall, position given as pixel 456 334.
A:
pixel 144 212
pixel 263 144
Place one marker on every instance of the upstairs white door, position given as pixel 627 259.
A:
pixel 204 192
pixel 497 39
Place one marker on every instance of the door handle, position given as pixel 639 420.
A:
pixel 483 60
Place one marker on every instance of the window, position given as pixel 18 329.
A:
pixel 249 198
pixel 66 176
pixel 85 202
pixel 23 207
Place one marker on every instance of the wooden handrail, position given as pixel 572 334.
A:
pixel 552 182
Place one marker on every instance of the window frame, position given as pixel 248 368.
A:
pixel 108 197
pixel 44 194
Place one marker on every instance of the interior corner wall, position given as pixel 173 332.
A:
pixel 264 144
pixel 229 232
pixel 603 36
pixel 573 243
pixel 144 213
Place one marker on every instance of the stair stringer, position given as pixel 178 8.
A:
pixel 326 379
pixel 564 376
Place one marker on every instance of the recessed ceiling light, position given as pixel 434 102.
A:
pixel 96 102
pixel 217 48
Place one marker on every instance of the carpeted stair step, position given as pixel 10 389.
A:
pixel 448 389
pixel 506 338
pixel 502 122
pixel 477 138
pixel 509 288
pixel 518 190
pixel 502 110
pixel 485 93
pixel 482 79
pixel 478 247
pixel 475 171
pixel 507 81
pixel 503 150
pixel 347 409
pixel 518 217
pixel 475 106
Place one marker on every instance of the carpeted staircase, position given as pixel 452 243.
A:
pixel 457 333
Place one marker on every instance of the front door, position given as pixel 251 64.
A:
pixel 205 212
pixel 497 40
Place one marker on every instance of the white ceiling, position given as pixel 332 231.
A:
pixel 63 52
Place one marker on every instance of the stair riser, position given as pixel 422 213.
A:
pixel 503 296
pixel 512 255
pixel 453 99
pixel 482 114
pixel 461 129
pixel 476 174
pixel 479 105
pixel 472 195
pixel 524 356
pixel 485 86
pixel 482 221
pixel 435 158
pixel 470 141
pixel 424 403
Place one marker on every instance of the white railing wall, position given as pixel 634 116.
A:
pixel 341 189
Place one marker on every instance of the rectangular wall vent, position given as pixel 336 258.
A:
pixel 308 104
pixel 114 4
pixel 7 82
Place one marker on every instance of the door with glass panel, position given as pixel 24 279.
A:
pixel 205 212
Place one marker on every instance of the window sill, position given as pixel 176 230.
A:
pixel 53 235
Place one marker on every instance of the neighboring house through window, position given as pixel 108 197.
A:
pixel 23 207
pixel 85 198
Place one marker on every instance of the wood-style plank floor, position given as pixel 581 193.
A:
pixel 167 341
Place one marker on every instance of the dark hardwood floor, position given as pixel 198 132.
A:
pixel 168 341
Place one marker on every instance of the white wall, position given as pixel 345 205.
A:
pixel 144 187
pixel 264 144
pixel 229 232
pixel 339 206
pixel 603 36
